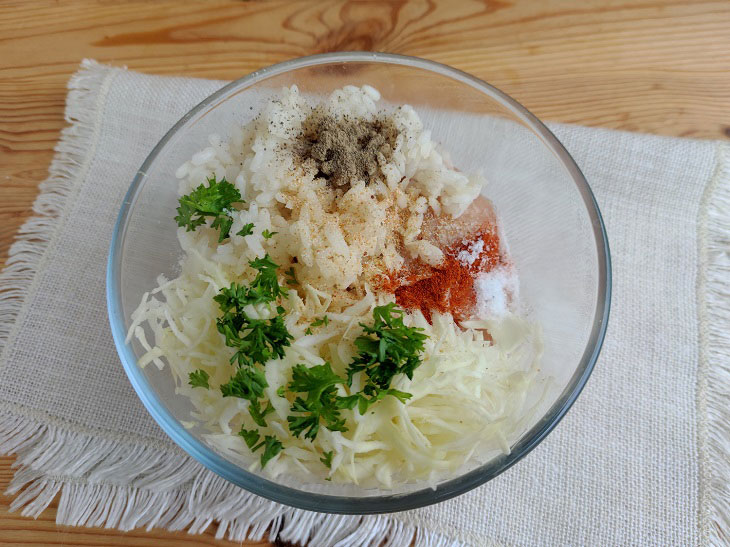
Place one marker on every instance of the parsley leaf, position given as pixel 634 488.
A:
pixel 272 446
pixel 369 395
pixel 256 341
pixel 261 340
pixel 264 288
pixel 248 383
pixel 257 413
pixel 232 299
pixel 387 348
pixel 199 378
pixel 250 436
pixel 324 321
pixel 266 285
pixel 268 235
pixel 247 230
pixel 214 200
pixel 327 459
pixel 291 278
pixel 307 331
pixel 321 404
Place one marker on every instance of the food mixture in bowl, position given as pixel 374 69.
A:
pixel 346 308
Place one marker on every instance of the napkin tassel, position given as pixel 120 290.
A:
pixel 103 482
pixel 714 374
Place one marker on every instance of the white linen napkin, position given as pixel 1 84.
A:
pixel 641 459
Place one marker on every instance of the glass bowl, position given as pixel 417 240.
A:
pixel 548 214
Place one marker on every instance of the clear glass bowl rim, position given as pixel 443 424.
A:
pixel 381 503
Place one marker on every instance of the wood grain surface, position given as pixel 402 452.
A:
pixel 649 65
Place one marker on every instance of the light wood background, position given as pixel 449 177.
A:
pixel 653 66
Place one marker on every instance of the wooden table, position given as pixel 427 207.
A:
pixel 651 65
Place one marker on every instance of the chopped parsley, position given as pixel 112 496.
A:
pixel 199 378
pixel 319 322
pixel 250 436
pixel 291 278
pixel 256 341
pixel 322 404
pixel 247 383
pixel 327 459
pixel 266 286
pixel 386 349
pixel 272 446
pixel 259 414
pixel 268 235
pixel 249 380
pixel 370 395
pixel 247 230
pixel 215 200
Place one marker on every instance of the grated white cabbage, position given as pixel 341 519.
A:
pixel 469 394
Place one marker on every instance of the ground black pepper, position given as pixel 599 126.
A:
pixel 345 149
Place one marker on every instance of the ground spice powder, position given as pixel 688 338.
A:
pixel 450 287
pixel 345 149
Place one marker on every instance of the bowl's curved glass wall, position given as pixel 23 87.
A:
pixel 547 212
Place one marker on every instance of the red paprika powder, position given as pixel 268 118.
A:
pixel 450 286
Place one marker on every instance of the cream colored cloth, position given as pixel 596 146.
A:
pixel 641 459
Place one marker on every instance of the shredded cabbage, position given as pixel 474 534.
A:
pixel 469 394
